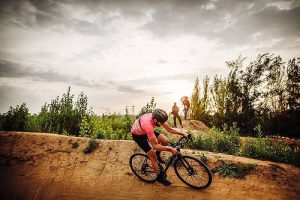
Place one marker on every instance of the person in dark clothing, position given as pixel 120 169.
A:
pixel 175 112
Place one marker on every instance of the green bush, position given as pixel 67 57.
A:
pixel 16 119
pixel 93 144
pixel 203 158
pixel 233 170
pixel 202 142
pixel 266 149
pixel 113 127
pixel 64 114
pixel 226 141
pixel 75 145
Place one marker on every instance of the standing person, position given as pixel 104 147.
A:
pixel 186 104
pixel 187 112
pixel 175 112
pixel 143 131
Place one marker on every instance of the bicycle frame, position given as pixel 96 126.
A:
pixel 174 157
pixel 170 162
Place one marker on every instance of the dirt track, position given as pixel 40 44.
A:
pixel 44 166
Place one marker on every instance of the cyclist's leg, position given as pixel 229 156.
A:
pixel 161 177
pixel 142 141
pixel 153 159
pixel 163 140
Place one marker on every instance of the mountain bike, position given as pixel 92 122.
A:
pixel 191 171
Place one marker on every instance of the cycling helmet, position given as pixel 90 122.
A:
pixel 160 115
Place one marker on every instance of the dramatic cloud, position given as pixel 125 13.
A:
pixel 230 22
pixel 125 52
pixel 15 70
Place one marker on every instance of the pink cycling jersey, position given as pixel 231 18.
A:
pixel 144 125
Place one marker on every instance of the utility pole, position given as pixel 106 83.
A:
pixel 132 109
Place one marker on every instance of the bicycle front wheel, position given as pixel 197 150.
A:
pixel 193 172
pixel 141 166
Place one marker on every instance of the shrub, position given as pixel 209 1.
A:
pixel 75 145
pixel 202 142
pixel 64 114
pixel 233 170
pixel 203 158
pixel 226 141
pixel 93 144
pixel 266 149
pixel 85 128
pixel 113 127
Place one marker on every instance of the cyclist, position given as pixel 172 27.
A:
pixel 143 131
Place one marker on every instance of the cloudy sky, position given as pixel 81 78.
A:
pixel 122 53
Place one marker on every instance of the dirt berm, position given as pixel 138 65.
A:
pixel 45 166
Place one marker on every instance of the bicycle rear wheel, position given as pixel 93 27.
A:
pixel 193 172
pixel 141 166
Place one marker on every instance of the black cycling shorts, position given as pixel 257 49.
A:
pixel 142 141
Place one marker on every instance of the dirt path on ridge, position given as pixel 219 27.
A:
pixel 45 166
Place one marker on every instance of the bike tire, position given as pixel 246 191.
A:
pixel 140 165
pixel 195 167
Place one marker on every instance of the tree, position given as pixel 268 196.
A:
pixel 274 79
pixel 195 100
pixel 293 84
pixel 234 89
pixel 149 107
pixel 16 119
pixel 63 115
pixel 200 105
pixel 218 91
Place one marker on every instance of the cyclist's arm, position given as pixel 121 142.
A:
pixel 172 130
pixel 156 146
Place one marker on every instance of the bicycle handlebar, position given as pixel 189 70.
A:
pixel 182 141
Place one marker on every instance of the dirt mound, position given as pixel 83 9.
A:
pixel 49 166
pixel 195 125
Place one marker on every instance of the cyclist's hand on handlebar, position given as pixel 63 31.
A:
pixel 174 151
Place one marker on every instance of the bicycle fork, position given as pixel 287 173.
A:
pixel 187 166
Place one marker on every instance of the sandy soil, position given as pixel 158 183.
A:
pixel 195 125
pixel 45 166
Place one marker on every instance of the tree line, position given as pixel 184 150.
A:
pixel 62 115
pixel 265 94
